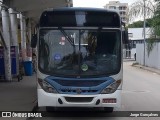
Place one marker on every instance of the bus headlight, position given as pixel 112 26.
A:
pixel 46 86
pixel 111 88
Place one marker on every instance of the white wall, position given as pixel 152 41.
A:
pixel 138 33
pixel 140 53
pixel 133 51
pixel 151 60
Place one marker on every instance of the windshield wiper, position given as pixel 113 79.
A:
pixel 67 36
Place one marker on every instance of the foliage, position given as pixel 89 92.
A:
pixel 156 19
pixel 139 24
pixel 150 44
pixel 137 9
pixel 156 25
pixel 151 11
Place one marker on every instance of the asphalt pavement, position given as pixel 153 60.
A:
pixel 18 96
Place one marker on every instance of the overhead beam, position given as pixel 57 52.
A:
pixel 26 5
pixel 33 8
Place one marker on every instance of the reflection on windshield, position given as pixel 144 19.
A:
pixel 79 52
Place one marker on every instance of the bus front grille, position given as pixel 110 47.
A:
pixel 74 91
pixel 80 83
pixel 79 99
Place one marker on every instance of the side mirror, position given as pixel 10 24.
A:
pixel 125 37
pixel 34 41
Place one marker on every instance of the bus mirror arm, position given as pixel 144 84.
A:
pixel 67 36
pixel 34 41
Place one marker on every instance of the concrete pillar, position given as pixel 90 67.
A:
pixel 30 37
pixel 14 26
pixel 6 34
pixel 29 30
pixel 14 35
pixel 23 37
pixel 34 31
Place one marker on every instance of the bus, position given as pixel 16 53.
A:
pixel 79 58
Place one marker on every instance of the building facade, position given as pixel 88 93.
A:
pixel 122 8
pixel 136 36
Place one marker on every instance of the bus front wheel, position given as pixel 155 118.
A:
pixel 108 109
pixel 50 109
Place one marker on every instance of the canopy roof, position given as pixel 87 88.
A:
pixel 33 8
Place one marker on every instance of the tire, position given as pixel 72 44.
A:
pixel 50 109
pixel 108 109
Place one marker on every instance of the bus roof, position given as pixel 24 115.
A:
pixel 86 17
pixel 80 9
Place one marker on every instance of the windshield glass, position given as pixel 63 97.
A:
pixel 79 52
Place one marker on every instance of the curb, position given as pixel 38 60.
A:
pixel 146 68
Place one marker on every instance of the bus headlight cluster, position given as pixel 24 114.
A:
pixel 46 86
pixel 111 88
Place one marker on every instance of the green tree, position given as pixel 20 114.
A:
pixel 137 9
pixel 156 19
pixel 139 24
pixel 145 8
pixel 152 11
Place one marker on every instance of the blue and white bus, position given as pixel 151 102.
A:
pixel 80 58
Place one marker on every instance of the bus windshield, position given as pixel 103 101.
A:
pixel 79 52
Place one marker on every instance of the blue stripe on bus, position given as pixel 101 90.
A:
pixel 64 85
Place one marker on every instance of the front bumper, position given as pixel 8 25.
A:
pixel 50 99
